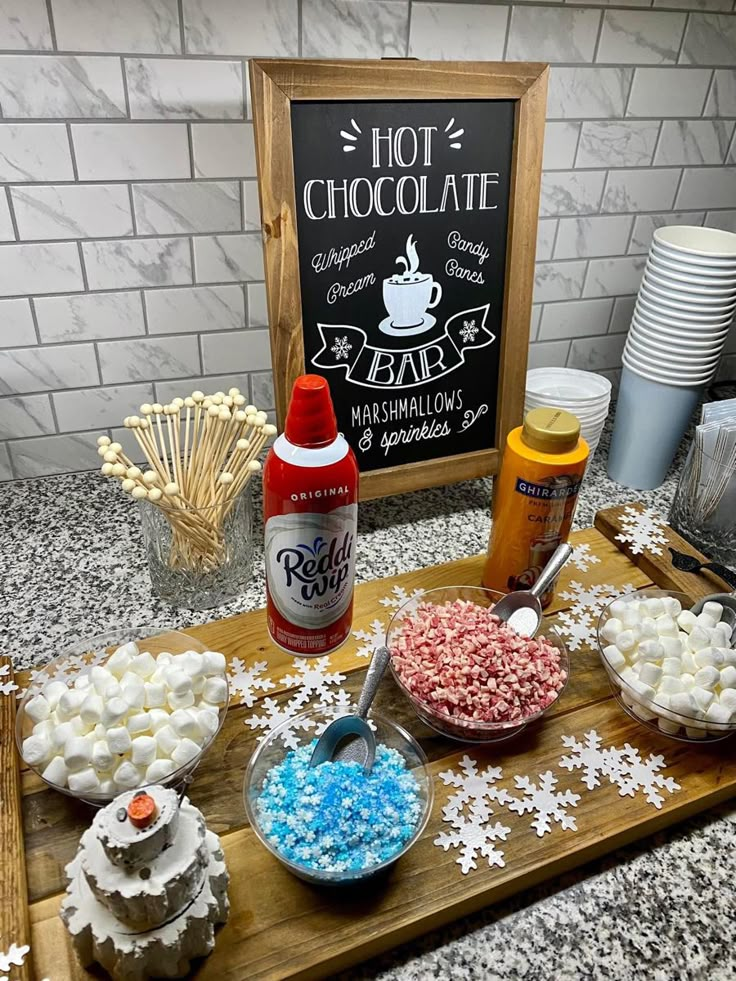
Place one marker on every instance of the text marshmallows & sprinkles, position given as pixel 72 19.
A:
pixel 462 661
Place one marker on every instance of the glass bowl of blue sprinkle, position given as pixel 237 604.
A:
pixel 332 824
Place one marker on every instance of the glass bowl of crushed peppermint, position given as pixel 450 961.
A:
pixel 333 824
pixel 466 674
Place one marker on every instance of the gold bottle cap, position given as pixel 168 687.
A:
pixel 550 430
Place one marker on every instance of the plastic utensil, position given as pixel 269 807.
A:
pixel 522 610
pixel 350 739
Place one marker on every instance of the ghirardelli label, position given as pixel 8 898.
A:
pixel 310 565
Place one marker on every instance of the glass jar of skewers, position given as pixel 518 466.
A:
pixel 705 503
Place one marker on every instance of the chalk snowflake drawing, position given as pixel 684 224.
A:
pixel 576 628
pixel 642 530
pixel 275 714
pixel 582 558
pixel 313 678
pixel 246 682
pixel 371 639
pixel 350 137
pixel 473 786
pixel 474 836
pixel 638 774
pixel 468 331
pixel 398 597
pixel 341 348
pixel 6 687
pixel 454 136
pixel 547 803
pixel 590 758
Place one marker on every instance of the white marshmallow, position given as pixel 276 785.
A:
pixel 84 781
pixel 56 772
pixel 672 667
pixel 728 677
pixel 708 657
pixel 159 770
pixel 653 607
pixel 36 750
pixel 617 609
pixel 687 620
pixel 78 752
pixel 631 617
pixel 198 684
pixel 177 700
pixel 672 606
pixel 184 723
pixel 729 656
pixel 718 713
pixel 702 696
pixel 672 646
pixel 642 712
pixel 113 711
pixel 101 678
pixel 108 788
pixel 166 740
pixel 61 734
pixel 178 661
pixel 666 626
pixel 705 621
pixel 143 665
pixel 90 711
pixel 682 703
pixel 727 698
pixel 45 729
pixel 186 751
pixel 215 689
pixel 670 685
pixel 668 727
pixel 52 692
pixel 693 733
pixel 194 664
pixel 650 674
pixel 648 629
pixel 650 650
pixel 209 722
pixel 215 662
pixel 102 755
pixel 614 657
pixel 119 662
pixel 155 695
pixel 177 681
pixel 698 639
pixel 138 722
pixel 113 690
pixel 82 682
pixel 157 719
pixel 143 750
pixel 163 659
pixel 127 775
pixel 629 675
pixel 38 708
pixel 720 635
pixel 118 740
pixel 688 663
pixel 707 677
pixel 642 692
pixel 713 609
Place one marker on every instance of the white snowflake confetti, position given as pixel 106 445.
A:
pixel 593 598
pixel 275 714
pixel 341 348
pixel 244 681
pixel 473 836
pixel 398 597
pixel 6 687
pixel 576 628
pixel 638 774
pixel 590 758
pixel 642 530
pixel 546 802
pixel 313 678
pixel 468 331
pixel 582 558
pixel 14 957
pixel 372 639
pixel 474 787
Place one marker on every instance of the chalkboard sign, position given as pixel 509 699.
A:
pixel 399 243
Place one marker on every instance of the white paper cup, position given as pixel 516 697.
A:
pixel 568 384
pixel 681 302
pixel 701 301
pixel 668 357
pixel 676 339
pixel 708 321
pixel 699 242
pixel 668 282
pixel 704 275
pixel 667 376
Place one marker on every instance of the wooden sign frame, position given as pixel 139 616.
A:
pixel 275 84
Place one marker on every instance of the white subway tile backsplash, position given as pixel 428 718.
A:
pixel 548 354
pixel 235 27
pixel 571 192
pixel 261 386
pixel 596 353
pixel 578 238
pixel 184 89
pixel 644 226
pixel 128 26
pixel 560 143
pixel 223 150
pixel 257 305
pixel 458 31
pixel 552 34
pixel 354 28
pixel 546 230
pixel 695 4
pixel 228 258
pixel 640 190
pixel 187 206
pixel 617 143
pixel 611 277
pixel 35 152
pixel 99 407
pixel 131 151
pixel 72 211
pixel 44 87
pixel 24 24
pixel 7 233
pixel 710 39
pixel 722 96
pixel 55 454
pixel 25 415
pixel 558 281
pixel 579 318
pixel 640 37
pixel 588 93
pixel 149 358
pixel 689 141
pixel 534 321
pixel 47 368
pixel 251 207
pixel 16 323
pixel 668 92
pixel 29 269
pixel 142 262
pixel 89 316
pixel 6 469
pixel 242 350
pixel 192 309
pixel 725 220
pixel 623 311
pixel 706 187
pixel 166 391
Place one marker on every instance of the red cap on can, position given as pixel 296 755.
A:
pixel 310 420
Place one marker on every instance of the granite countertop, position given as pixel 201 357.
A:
pixel 660 910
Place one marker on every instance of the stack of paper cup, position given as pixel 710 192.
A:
pixel 583 393
pixel 681 320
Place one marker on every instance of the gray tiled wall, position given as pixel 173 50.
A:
pixel 131 266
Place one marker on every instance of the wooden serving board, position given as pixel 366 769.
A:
pixel 281 927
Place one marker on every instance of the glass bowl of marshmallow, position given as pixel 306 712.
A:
pixel 122 710
pixel 670 669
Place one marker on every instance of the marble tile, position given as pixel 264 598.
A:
pixel 548 354
pixel 579 238
pixel 255 27
pixel 552 34
pixel 209 384
pixel 35 152
pixel 725 220
pixel 72 211
pixel 132 26
pixel 65 87
pixel 7 233
pixel 223 150
pixel 696 4
pixel 47 368
pixel 32 269
pixel 558 281
pixel 458 31
pixel 195 309
pixel 640 190
pixel 228 258
pixel 534 321
pixel 131 151
pixel 354 28
pixel 89 316
pixel 251 207
pixel 617 143
pixel 614 277
pixel 98 408
pixel 184 88
pixel 623 311
pixel 145 262
pixel 6 469
pixel 24 24
pixel 710 39
pixel 578 318
pixel 257 305
pixel 546 230
pixel 261 387
pixel 640 37
pixel 55 454
pixel 560 143
pixel 201 206
pixel 16 323
pixel 706 188
pixel 588 93
pixel 149 358
pixel 596 353
pixel 668 92
pixel 644 226
pixel 611 3
pixel 722 96
pixel 242 350
pixel 25 415
pixel 686 141
pixel 571 192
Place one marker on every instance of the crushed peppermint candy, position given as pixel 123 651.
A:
pixel 461 661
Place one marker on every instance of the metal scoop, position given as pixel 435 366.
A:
pixel 522 610
pixel 350 739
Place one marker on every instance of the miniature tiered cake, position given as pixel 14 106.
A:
pixel 147 887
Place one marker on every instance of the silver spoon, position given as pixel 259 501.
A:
pixel 728 602
pixel 522 610
pixel 350 739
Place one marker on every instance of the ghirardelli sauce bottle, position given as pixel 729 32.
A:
pixel 310 511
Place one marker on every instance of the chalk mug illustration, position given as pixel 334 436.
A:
pixel 408 296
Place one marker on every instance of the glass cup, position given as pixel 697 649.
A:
pixel 704 506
